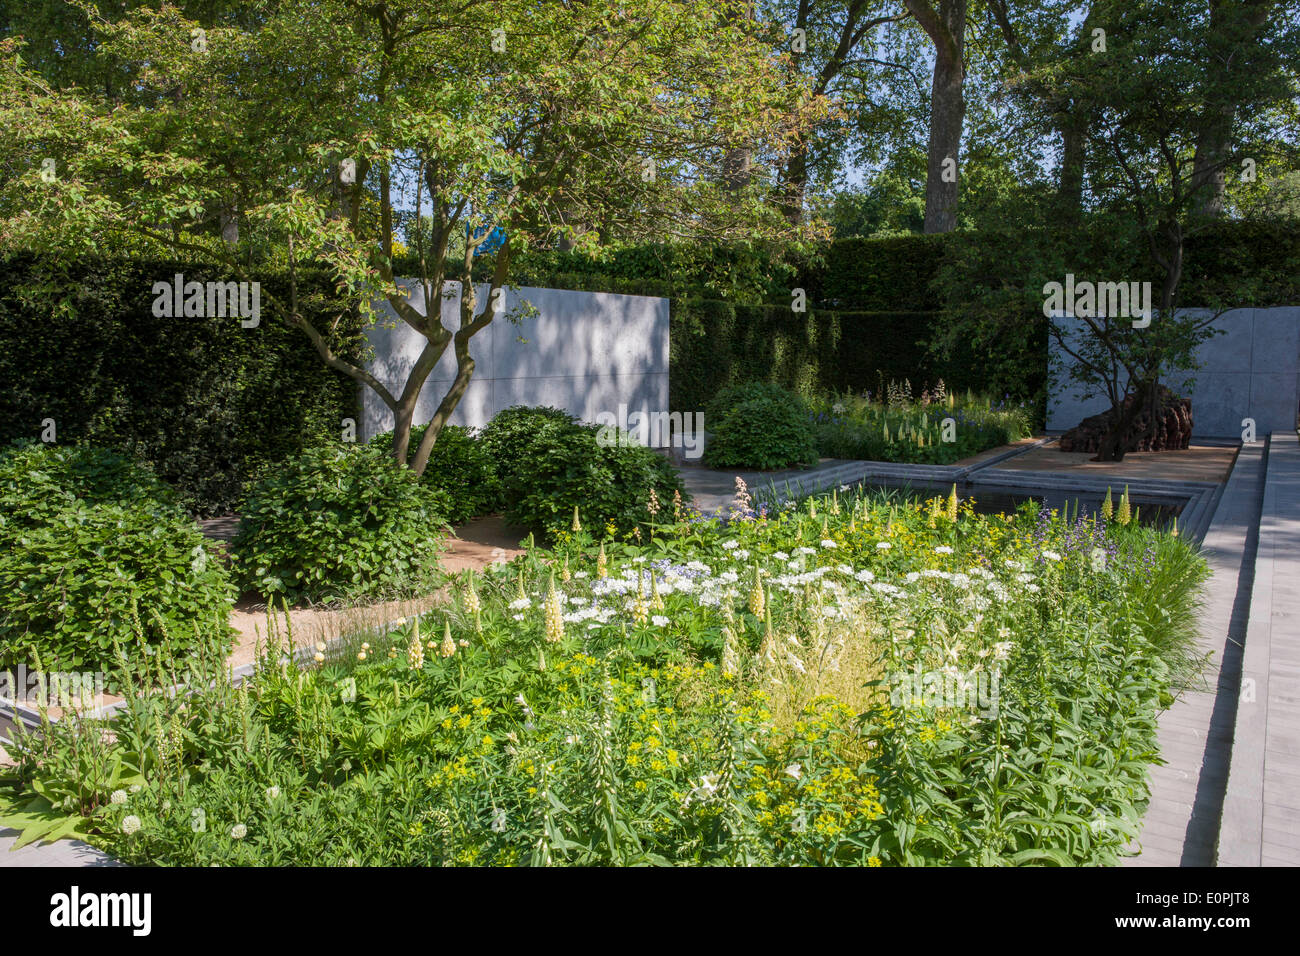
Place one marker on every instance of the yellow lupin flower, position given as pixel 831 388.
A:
pixel 1125 510
pixel 757 599
pixel 554 614
pixel 472 603
pixel 565 576
pixel 602 569
pixel 640 609
pixel 656 601
pixel 448 646
pixel 415 652
pixel 952 503
pixel 1108 506
pixel 577 525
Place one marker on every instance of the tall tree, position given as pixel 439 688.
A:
pixel 833 50
pixel 1150 118
pixel 336 122
pixel 1039 40
pixel 1236 47
pixel 945 25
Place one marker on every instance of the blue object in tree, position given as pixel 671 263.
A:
pixel 493 241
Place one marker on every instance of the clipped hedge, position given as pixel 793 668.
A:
pixel 882 308
pixel 898 274
pixel 713 345
pixel 96 557
pixel 208 403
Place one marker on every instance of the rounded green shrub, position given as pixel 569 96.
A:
pixel 37 479
pixel 337 523
pixel 459 467
pixel 567 467
pixel 728 399
pixel 97 558
pixel 761 432
pixel 513 431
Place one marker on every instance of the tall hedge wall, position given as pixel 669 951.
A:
pixel 715 344
pixel 207 402
pixel 899 273
pixel 890 308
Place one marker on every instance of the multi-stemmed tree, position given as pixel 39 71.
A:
pixel 1154 98
pixel 323 132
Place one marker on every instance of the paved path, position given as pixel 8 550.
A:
pixel 1261 818
pixel 59 853
pixel 1182 823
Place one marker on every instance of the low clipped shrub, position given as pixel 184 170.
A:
pixel 459 467
pixel 338 523
pixel 96 557
pixel 511 434
pixel 566 467
pixel 760 431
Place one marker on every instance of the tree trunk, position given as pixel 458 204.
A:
pixel 228 219
pixel 796 182
pixel 1237 27
pixel 737 168
pixel 946 28
pixel 1209 169
pixel 1074 150
pixel 403 415
pixel 1114 444
pixel 738 162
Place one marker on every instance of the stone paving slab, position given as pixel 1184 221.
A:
pixel 1261 825
pixel 1181 825
pixel 58 853
pixel 1198 463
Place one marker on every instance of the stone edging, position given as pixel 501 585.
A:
pixel 1242 830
